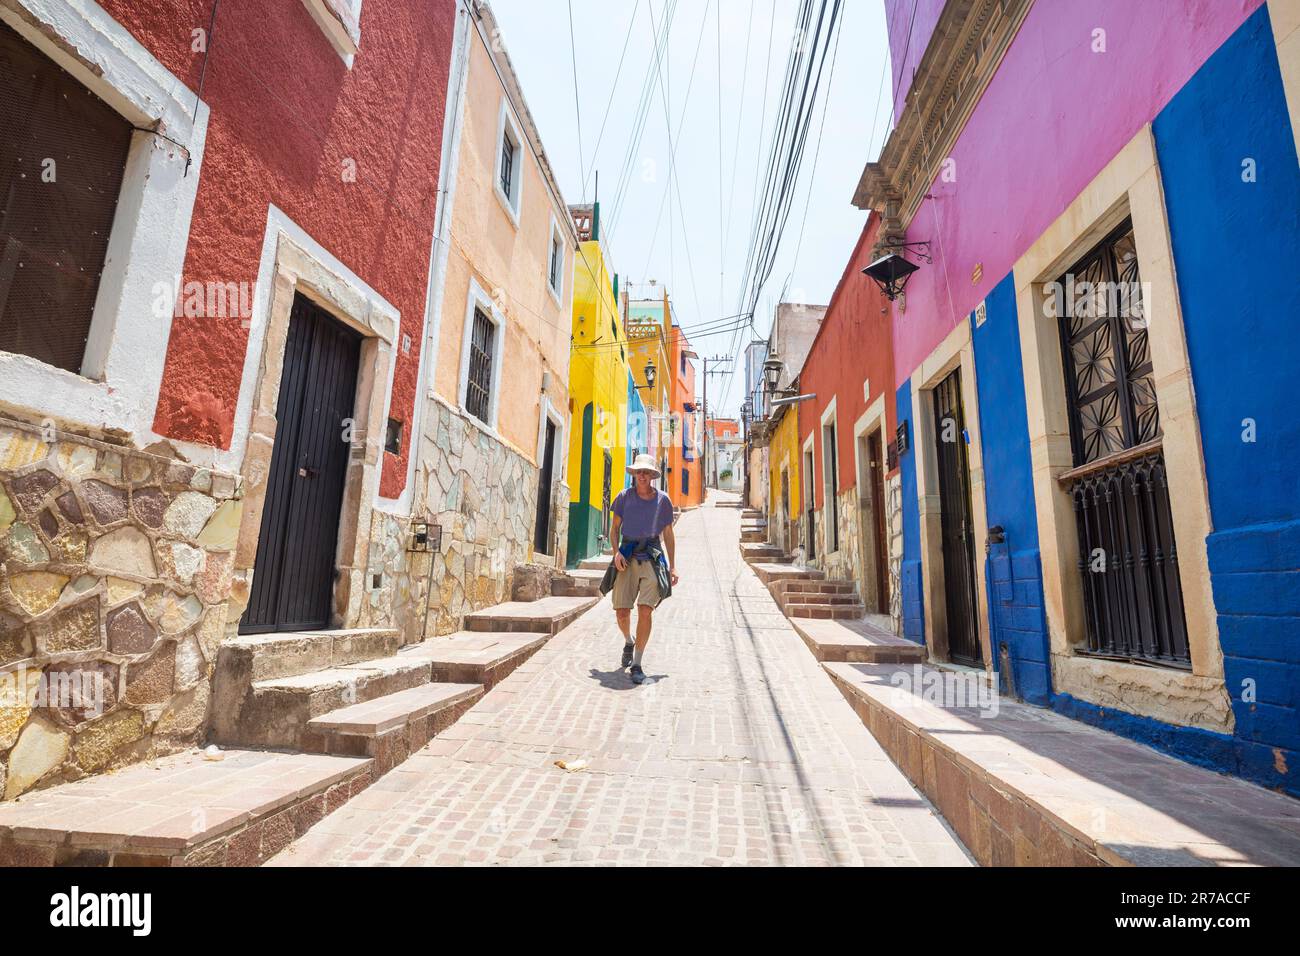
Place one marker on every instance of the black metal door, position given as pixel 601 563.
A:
pixel 877 526
pixel 810 512
pixel 293 577
pixel 542 534
pixel 956 532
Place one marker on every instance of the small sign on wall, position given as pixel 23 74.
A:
pixel 981 313
pixel 866 389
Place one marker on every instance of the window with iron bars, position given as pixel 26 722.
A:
pixel 1128 558
pixel 482 348
pixel 507 167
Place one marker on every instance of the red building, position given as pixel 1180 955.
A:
pixel 846 434
pixel 217 266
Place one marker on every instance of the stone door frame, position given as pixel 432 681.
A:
pixel 297 269
pixel 1128 187
pixel 957 350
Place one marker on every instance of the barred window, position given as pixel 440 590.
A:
pixel 62 155
pixel 507 167
pixel 482 349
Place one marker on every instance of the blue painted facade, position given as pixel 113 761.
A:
pixel 910 569
pixel 1236 243
pixel 1017 623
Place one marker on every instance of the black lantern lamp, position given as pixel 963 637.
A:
pixel 649 375
pixel 772 371
pixel 891 271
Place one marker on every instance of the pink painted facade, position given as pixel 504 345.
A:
pixel 1035 140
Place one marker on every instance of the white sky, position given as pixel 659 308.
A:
pixel 699 260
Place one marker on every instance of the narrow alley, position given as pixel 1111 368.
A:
pixel 739 750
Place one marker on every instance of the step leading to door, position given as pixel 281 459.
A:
pixel 390 728
pixel 477 657
pixel 549 614
pixel 855 641
pixel 275 712
pixel 181 810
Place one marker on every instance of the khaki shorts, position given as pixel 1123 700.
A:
pixel 636 584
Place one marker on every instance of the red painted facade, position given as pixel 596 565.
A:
pixel 853 343
pixel 287 115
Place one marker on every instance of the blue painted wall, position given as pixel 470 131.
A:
pixel 1017 621
pixel 1236 247
pixel 910 570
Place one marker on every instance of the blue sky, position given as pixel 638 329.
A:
pixel 696 243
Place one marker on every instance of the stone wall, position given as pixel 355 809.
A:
pixel 114 576
pixel 483 494
pixel 894 514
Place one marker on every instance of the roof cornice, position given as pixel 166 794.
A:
pixel 963 54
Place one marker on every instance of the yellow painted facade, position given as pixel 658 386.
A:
pixel 783 454
pixel 598 390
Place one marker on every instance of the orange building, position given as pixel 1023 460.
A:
pixel 681 434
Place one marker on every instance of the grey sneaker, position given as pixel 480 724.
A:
pixel 627 654
pixel 637 674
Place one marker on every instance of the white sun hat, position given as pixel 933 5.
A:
pixel 644 463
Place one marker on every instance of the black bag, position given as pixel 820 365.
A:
pixel 662 577
pixel 607 582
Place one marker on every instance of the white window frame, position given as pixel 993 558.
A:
pixel 126 350
pixel 507 126
pixel 830 503
pixel 557 241
pixel 479 299
pixel 340 21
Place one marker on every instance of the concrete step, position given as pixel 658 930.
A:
pixel 550 614
pixel 181 810
pixel 856 641
pixel 761 551
pixel 805 586
pixel 477 657
pixel 598 563
pixel 266 656
pixel 837 611
pixel 578 583
pixel 390 728
pixel 275 712
pixel 818 597
pixel 768 572
pixel 753 537
pixel 1024 786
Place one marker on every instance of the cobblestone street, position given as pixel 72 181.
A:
pixel 739 751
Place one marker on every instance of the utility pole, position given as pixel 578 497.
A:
pixel 708 471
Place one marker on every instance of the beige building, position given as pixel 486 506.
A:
pixel 491 462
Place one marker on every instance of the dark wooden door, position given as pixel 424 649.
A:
pixel 293 577
pixel 876 473
pixel 542 532
pixel 957 532
pixel 809 510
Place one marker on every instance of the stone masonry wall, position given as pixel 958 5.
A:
pixel 114 575
pixel 484 496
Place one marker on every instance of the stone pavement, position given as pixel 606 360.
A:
pixel 740 751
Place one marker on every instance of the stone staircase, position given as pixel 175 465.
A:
pixel 306 721
pixel 827 615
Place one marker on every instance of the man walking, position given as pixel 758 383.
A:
pixel 642 514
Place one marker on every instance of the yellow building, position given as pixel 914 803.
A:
pixel 648 349
pixel 783 476
pixel 598 392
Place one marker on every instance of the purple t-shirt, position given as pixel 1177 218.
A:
pixel 643 517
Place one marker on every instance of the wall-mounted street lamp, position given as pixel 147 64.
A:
pixel 650 373
pixel 772 371
pixel 891 271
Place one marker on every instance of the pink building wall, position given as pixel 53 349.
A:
pixel 1052 117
